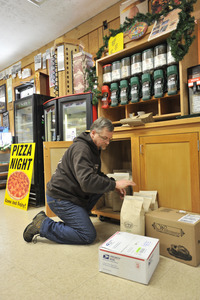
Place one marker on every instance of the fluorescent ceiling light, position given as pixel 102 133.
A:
pixel 37 2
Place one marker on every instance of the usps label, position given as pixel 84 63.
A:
pixel 192 219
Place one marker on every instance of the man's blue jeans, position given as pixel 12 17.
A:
pixel 76 227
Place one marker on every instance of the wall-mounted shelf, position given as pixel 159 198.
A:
pixel 167 107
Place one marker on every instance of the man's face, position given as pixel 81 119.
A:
pixel 101 139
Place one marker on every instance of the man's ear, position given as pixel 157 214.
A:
pixel 92 133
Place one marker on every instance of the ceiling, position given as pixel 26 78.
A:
pixel 25 27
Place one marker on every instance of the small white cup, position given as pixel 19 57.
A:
pixel 140 113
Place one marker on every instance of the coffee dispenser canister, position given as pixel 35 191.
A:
pixel 194 89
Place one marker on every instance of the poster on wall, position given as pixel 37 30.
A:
pixel 60 58
pixel 6 120
pixel 20 175
pixel 2 98
pixel 157 5
pixel 9 89
pixel 38 61
pixel 165 24
pixel 129 9
pixel 116 43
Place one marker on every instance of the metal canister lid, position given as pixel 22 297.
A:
pixel 137 57
pixel 114 86
pixel 172 70
pixel 116 65
pixel 134 80
pixel 146 77
pixel 125 61
pixel 160 49
pixel 148 53
pixel 108 65
pixel 158 74
pixel 123 83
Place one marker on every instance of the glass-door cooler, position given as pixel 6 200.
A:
pixel 29 128
pixel 75 115
pixel 51 120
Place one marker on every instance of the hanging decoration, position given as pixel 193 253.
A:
pixel 180 39
pixel 92 85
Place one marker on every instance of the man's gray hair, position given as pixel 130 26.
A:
pixel 101 123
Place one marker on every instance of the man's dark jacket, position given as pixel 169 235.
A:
pixel 78 175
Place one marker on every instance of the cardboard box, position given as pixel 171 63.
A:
pixel 130 256
pixel 178 232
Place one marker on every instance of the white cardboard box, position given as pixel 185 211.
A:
pixel 130 256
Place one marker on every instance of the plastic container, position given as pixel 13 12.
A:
pixel 136 63
pixel 146 86
pixel 107 73
pixel 105 96
pixel 124 92
pixel 116 70
pixel 114 89
pixel 170 58
pixel 172 80
pixel 125 67
pixel 160 56
pixel 158 83
pixel 147 60
pixel 135 89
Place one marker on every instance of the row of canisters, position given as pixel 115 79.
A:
pixel 141 86
pixel 145 61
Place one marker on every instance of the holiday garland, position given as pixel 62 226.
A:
pixel 180 39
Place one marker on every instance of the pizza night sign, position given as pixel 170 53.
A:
pixel 20 175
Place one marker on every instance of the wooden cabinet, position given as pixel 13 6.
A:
pixel 163 156
pixel 170 164
pixel 167 107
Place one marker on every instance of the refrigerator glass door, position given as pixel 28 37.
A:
pixel 24 121
pixel 50 123
pixel 74 119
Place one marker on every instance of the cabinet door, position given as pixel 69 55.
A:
pixel 53 152
pixel 170 165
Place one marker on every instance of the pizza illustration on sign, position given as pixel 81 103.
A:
pixel 18 185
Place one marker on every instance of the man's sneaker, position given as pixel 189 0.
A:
pixel 34 227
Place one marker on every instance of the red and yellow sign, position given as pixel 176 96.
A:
pixel 20 175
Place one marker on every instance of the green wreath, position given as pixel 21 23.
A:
pixel 180 39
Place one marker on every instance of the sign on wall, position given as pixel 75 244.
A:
pixel 20 175
pixel 116 43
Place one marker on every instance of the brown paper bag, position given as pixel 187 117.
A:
pixel 132 215
pixel 153 195
pixel 147 201
pixel 112 199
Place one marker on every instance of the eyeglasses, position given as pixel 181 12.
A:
pixel 105 138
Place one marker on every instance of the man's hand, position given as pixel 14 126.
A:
pixel 121 185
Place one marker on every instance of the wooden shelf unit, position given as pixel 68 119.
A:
pixel 167 107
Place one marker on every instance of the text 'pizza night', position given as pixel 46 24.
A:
pixel 17 161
